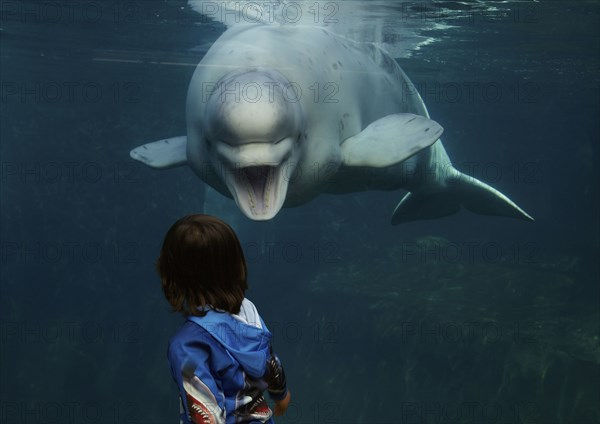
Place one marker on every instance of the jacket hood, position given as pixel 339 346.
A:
pixel 248 344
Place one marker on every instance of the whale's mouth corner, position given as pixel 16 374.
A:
pixel 259 190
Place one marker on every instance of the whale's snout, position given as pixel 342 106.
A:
pixel 256 175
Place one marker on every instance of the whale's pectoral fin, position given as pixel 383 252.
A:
pixel 390 140
pixel 162 154
pixel 460 189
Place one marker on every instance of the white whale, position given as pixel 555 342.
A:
pixel 277 115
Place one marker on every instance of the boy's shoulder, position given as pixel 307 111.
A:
pixel 189 333
pixel 223 329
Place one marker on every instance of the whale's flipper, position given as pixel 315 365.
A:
pixel 162 154
pixel 460 189
pixel 390 140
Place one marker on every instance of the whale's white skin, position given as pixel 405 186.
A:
pixel 277 115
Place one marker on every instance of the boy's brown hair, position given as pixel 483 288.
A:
pixel 201 263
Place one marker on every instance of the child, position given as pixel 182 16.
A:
pixel 221 358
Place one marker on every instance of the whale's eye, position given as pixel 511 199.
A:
pixel 229 143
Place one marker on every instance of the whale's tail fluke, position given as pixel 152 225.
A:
pixel 458 190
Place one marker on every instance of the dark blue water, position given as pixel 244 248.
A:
pixel 465 319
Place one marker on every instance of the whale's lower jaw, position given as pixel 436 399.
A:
pixel 259 191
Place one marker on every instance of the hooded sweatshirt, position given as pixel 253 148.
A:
pixel 222 363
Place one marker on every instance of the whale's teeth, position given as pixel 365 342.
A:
pixel 268 186
pixel 248 190
pixel 258 181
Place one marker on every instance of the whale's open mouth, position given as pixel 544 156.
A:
pixel 259 190
pixel 254 173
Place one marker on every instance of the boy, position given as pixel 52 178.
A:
pixel 221 358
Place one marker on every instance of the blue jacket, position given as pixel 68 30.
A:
pixel 222 364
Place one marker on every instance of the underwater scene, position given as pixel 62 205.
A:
pixel 405 278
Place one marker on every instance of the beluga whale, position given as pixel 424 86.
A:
pixel 277 115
